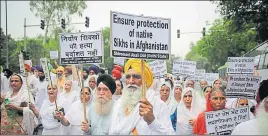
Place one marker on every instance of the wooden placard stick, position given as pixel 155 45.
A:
pixel 83 91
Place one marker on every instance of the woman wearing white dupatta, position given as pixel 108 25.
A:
pixel 187 111
pixel 16 119
pixel 75 115
pixel 47 112
pixel 166 96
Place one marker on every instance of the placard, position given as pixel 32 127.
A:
pixel 81 48
pixel 240 65
pixel 223 122
pixel 184 68
pixel 119 61
pixel 54 54
pixel 159 68
pixel 211 77
pixel 22 67
pixel 242 86
pixel 43 62
pixel 200 74
pixel 141 37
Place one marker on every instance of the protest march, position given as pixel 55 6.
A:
pixel 71 93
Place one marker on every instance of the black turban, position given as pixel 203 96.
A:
pixel 7 72
pixel 108 81
pixel 263 90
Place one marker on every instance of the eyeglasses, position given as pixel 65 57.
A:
pixel 218 98
pixel 135 76
pixel 243 104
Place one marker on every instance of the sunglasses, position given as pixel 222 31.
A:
pixel 243 104
pixel 135 76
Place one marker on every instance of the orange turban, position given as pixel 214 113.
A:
pixel 117 74
pixel 136 65
pixel 119 68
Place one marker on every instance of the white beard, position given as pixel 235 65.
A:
pixel 130 97
pixel 262 118
pixel 102 107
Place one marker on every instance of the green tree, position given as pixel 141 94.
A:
pixel 222 42
pixel 53 11
pixel 247 12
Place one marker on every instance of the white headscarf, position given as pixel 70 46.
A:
pixel 184 115
pixel 170 101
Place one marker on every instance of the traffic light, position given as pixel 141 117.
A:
pixel 87 22
pixel 204 32
pixel 42 24
pixel 63 23
pixel 178 33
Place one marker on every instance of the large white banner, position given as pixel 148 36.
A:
pixel 81 48
pixel 159 68
pixel 223 122
pixel 184 68
pixel 240 65
pixel 242 86
pixel 143 37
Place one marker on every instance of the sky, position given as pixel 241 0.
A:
pixel 188 16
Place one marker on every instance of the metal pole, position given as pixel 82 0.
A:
pixel 7 63
pixel 24 34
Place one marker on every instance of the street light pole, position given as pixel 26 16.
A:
pixel 7 63
pixel 24 34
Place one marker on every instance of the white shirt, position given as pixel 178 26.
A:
pixel 246 128
pixel 41 93
pixel 160 126
pixel 66 99
pixel 4 84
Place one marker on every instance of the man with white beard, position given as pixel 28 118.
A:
pixel 259 125
pixel 133 115
pixel 100 111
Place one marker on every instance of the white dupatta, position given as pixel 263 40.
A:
pixel 184 114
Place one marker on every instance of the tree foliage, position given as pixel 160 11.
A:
pixel 245 12
pixel 53 11
pixel 221 43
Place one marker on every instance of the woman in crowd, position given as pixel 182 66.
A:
pixel 14 111
pixel 68 96
pixel 74 116
pixel 118 91
pixel 187 112
pixel 47 112
pixel 217 83
pixel 165 95
pixel 215 101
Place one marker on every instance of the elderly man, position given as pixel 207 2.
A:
pixel 133 115
pixel 203 84
pixel 93 70
pixel 100 111
pixel 259 125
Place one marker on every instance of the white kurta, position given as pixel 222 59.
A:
pixel 4 84
pixel 99 124
pixel 50 124
pixel 247 128
pixel 41 94
pixel 75 116
pixel 66 99
pixel 121 125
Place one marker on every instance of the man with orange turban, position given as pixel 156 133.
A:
pixel 141 116
pixel 60 77
pixel 116 74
